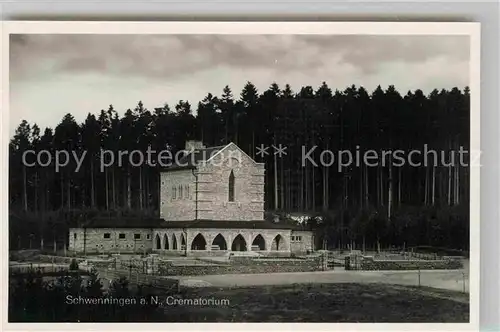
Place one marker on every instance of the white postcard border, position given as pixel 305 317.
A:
pixel 344 28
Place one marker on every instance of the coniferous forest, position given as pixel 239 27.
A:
pixel 388 204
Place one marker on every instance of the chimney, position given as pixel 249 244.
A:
pixel 193 145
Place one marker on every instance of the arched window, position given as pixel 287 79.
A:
pixel 180 192
pixel 220 242
pixel 174 242
pixel 239 244
pixel 231 187
pixel 158 242
pixel 199 243
pixel 174 192
pixel 186 191
pixel 259 243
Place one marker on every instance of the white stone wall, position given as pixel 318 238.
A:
pixel 301 241
pixel 212 184
pixel 213 187
pixel 178 208
pixel 96 243
pixel 209 234
pixel 170 238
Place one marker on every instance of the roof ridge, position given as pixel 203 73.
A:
pixel 211 147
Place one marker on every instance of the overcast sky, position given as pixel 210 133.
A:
pixel 51 75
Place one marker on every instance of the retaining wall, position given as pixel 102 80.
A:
pixel 140 279
pixel 67 260
pixel 243 265
pixel 411 265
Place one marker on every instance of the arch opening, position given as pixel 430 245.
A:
pixel 199 243
pixel 220 242
pixel 183 242
pixel 278 243
pixel 158 242
pixel 174 242
pixel 258 243
pixel 239 244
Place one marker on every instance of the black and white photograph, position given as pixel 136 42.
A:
pixel 242 172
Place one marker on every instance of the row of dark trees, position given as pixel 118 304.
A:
pixel 352 120
pixel 33 299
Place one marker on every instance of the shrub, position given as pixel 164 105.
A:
pixel 73 265
pixel 347 264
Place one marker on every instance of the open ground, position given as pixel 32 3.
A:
pixel 322 296
pixel 346 302
pixel 456 280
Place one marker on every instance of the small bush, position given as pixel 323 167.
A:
pixel 73 265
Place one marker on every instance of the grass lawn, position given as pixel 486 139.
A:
pixel 324 303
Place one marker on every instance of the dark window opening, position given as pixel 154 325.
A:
pixel 259 243
pixel 239 244
pixel 219 242
pixel 121 236
pixel 137 236
pixel 107 235
pixel 231 187
pixel 199 243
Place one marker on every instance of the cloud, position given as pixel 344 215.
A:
pixel 51 75
pixel 165 57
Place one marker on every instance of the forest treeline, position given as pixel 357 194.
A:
pixel 427 204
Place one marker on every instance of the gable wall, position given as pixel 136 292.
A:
pixel 213 187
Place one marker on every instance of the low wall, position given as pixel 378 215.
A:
pixel 203 253
pixel 23 255
pixel 411 265
pixel 217 253
pixel 58 259
pixel 243 265
pixel 43 268
pixel 67 260
pixel 141 279
pixel 48 271
pixel 440 251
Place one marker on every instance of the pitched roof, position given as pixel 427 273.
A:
pixel 122 222
pixel 195 157
pixel 137 222
pixel 246 224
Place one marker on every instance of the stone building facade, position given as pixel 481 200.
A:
pixel 199 187
pixel 211 203
pixel 105 240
